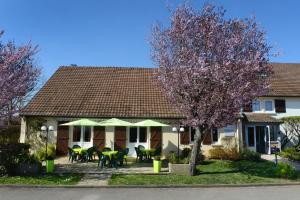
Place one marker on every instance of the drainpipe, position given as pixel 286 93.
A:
pixel 269 135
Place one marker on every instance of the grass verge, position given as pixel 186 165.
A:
pixel 211 172
pixel 47 179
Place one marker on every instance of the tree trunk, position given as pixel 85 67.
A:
pixel 195 151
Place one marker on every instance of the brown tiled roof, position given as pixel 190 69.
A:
pixel 260 117
pixel 125 92
pixel 101 92
pixel 286 80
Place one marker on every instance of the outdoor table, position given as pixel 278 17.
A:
pixel 79 150
pixel 109 153
pixel 148 152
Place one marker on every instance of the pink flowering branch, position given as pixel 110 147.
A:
pixel 210 66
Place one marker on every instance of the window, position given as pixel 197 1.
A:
pixel 87 134
pixel 133 134
pixel 143 134
pixel 193 132
pixel 229 130
pixel 268 105
pixel 251 136
pixel 76 133
pixel 256 105
pixel 280 106
pixel 215 135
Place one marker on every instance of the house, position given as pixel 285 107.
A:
pixel 132 94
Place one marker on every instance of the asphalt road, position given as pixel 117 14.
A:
pixel 243 193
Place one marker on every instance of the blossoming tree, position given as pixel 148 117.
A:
pixel 210 66
pixel 18 76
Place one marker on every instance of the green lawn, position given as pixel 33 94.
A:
pixel 48 179
pixel 210 172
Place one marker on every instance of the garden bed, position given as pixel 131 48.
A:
pixel 212 172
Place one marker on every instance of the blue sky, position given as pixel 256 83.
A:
pixel 114 33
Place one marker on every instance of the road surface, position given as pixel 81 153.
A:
pixel 243 193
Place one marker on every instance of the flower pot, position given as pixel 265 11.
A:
pixel 179 168
pixel 156 166
pixel 49 166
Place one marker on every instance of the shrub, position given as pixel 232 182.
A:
pixel 284 170
pixel 13 154
pixel 224 153
pixel 172 157
pixel 186 153
pixel 290 153
pixel 10 134
pixel 51 151
pixel 3 171
pixel 250 155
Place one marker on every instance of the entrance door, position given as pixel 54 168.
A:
pixel 137 136
pixel 99 137
pixel 156 137
pixel 62 139
pixel 120 138
pixel 261 139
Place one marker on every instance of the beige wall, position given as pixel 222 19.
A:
pixel 169 138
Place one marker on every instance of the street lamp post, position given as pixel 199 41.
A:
pixel 178 130
pixel 47 129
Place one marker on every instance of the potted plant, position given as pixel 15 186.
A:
pixel 49 164
pixel 156 164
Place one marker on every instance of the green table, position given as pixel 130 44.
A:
pixel 109 153
pixel 79 150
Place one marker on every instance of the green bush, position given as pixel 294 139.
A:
pixel 172 157
pixel 51 151
pixel 3 171
pixel 290 153
pixel 284 170
pixel 10 134
pixel 12 154
pixel 186 152
pixel 250 155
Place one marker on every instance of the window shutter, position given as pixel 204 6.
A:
pixel 280 106
pixel 185 136
pixel 207 138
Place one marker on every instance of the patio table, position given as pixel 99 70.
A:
pixel 109 153
pixel 148 152
pixel 79 150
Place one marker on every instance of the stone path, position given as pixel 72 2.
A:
pixel 280 159
pixel 94 180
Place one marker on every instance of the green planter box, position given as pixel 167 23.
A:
pixel 49 166
pixel 156 166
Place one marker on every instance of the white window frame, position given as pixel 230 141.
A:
pixel 226 134
pixel 259 103
pixel 272 105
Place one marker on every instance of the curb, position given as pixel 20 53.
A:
pixel 148 186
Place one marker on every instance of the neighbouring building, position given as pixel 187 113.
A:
pixel 132 94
